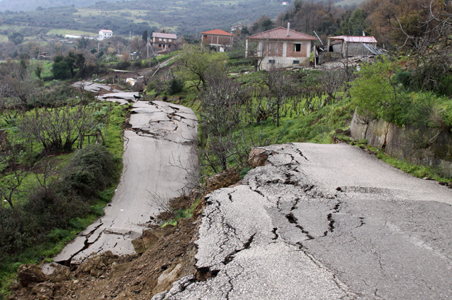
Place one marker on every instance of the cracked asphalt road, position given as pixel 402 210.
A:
pixel 324 222
pixel 160 161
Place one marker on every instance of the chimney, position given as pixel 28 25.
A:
pixel 288 28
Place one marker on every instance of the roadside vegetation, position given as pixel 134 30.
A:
pixel 60 160
pixel 60 148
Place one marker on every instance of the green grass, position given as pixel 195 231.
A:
pixel 71 32
pixel 46 68
pixel 58 238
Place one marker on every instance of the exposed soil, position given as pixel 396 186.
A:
pixel 109 276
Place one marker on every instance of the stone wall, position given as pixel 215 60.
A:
pixel 430 146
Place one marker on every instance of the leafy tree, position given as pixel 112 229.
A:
pixel 38 70
pixel 198 62
pixel 355 25
pixel 144 36
pixel 16 38
pixel 375 93
pixel 61 68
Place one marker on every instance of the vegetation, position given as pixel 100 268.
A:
pixel 60 158
pixel 55 180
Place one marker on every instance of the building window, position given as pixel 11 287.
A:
pixel 271 61
pixel 160 45
pixel 169 40
pixel 160 40
pixel 296 62
pixel 169 46
pixel 297 48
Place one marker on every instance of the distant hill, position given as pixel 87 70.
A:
pixel 182 17
pixel 26 5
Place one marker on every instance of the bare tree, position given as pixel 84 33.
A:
pixel 17 84
pixel 58 129
pixel 15 170
pixel 281 86
pixel 221 115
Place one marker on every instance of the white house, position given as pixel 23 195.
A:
pixel 105 34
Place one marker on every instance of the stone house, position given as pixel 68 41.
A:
pixel 279 48
pixel 217 38
pixel 164 41
pixel 352 45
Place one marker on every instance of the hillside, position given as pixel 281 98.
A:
pixel 182 17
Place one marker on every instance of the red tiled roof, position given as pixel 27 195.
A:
pixel 354 39
pixel 216 32
pixel 281 34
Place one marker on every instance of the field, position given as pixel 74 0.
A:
pixel 68 31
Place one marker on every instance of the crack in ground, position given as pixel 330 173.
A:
pixel 336 280
pixel 276 236
pixel 299 152
pixel 86 245
pixel 291 218
pixel 294 206
pixel 230 257
pixel 330 219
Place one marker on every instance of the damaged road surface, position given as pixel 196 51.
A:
pixel 160 161
pixel 323 222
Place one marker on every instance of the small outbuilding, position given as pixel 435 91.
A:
pixel 352 45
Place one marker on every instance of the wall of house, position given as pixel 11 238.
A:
pixel 164 43
pixel 285 49
pixel 217 39
pixel 270 62
pixel 337 47
pixel 357 49
pixel 304 49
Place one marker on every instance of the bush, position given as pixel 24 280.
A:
pixel 123 65
pixel 376 95
pixel 137 65
pixel 92 169
pixel 175 86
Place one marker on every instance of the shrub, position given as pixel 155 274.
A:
pixel 123 65
pixel 92 169
pixel 175 86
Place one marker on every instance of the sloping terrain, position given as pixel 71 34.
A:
pixel 309 222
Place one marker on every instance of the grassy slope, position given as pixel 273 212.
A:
pixel 59 238
pixel 69 31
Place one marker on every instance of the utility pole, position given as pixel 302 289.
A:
pixel 147 47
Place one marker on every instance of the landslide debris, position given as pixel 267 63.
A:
pixel 108 276
pixel 165 255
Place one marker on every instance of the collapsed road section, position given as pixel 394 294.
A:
pixel 323 222
pixel 160 163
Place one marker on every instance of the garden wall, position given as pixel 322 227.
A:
pixel 426 146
